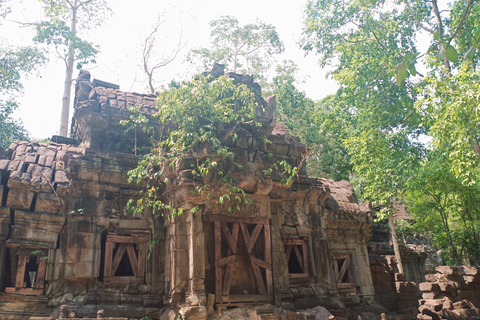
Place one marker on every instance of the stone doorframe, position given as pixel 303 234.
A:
pixel 224 266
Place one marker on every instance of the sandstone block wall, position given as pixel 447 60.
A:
pixel 58 204
pixel 392 290
pixel 451 293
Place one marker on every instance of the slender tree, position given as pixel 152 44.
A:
pixel 150 57
pixel 64 19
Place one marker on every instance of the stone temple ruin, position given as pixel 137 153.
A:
pixel 67 240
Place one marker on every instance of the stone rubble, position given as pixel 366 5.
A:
pixel 451 293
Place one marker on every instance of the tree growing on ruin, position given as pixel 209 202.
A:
pixel 152 60
pixel 248 49
pixel 60 29
pixel 193 114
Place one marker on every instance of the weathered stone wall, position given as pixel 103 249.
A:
pixel 99 110
pixel 62 200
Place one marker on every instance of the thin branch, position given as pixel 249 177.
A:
pixel 465 13
pixel 360 40
pixel 440 33
pixel 179 47
pixel 439 18
pixel 419 24
pixel 51 186
pixel 378 41
pixel 83 3
pixel 149 44
pixel 59 55
pixel 22 24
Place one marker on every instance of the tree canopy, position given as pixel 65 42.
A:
pixel 390 110
pixel 248 49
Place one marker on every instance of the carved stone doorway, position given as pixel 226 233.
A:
pixel 242 254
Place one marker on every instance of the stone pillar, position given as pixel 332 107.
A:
pixel 178 266
pixel 196 255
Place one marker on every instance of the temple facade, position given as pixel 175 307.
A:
pixel 66 237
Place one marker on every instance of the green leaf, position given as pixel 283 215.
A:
pixel 411 67
pixel 436 35
pixel 440 54
pixel 451 53
pixel 476 43
pixel 401 72
pixel 469 54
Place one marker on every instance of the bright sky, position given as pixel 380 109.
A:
pixel 121 37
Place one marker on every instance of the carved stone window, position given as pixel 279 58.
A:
pixel 28 273
pixel 342 269
pixel 296 251
pixel 125 258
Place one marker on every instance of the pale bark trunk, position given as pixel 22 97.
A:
pixel 395 244
pixel 67 88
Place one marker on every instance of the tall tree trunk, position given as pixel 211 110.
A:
pixel 396 250
pixel 67 86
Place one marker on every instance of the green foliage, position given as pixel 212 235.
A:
pixel 454 120
pixel 4 9
pixel 384 163
pixel 59 29
pixel 384 106
pixel 333 123
pixel 294 109
pixel 248 49
pixel 199 108
pixel 314 123
pixel 446 209
pixel 136 123
pixel 10 129
pixel 367 44
pixel 17 62
pixel 194 113
pixel 57 33
pixel 14 63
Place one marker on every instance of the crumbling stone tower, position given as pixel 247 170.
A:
pixel 66 237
